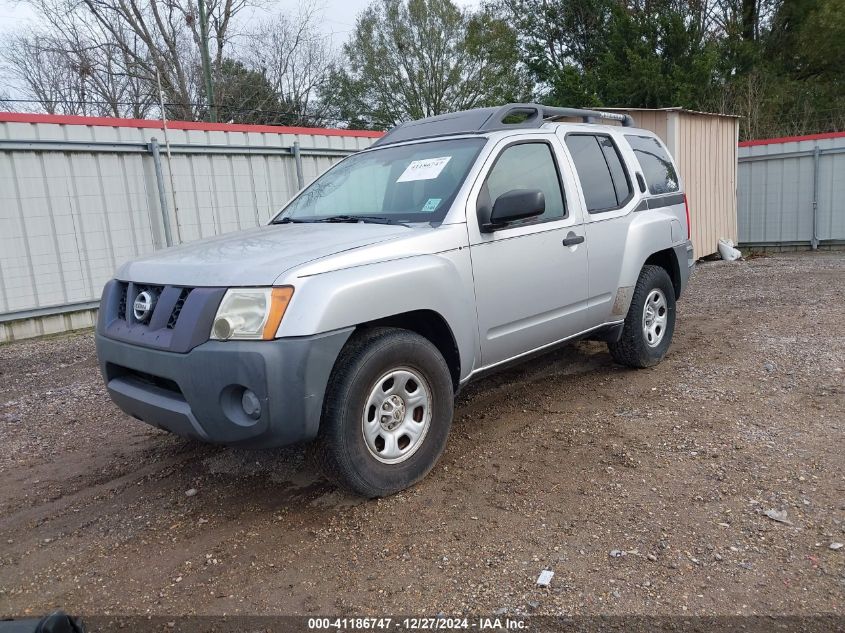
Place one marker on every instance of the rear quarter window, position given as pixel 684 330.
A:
pixel 658 170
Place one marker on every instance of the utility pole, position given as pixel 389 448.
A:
pixel 206 62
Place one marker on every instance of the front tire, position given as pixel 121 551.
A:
pixel 387 412
pixel 650 322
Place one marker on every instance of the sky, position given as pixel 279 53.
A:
pixel 338 15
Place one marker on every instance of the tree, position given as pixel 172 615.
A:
pixel 149 37
pixel 243 95
pixel 105 57
pixel 408 60
pixel 68 73
pixel 805 50
pixel 807 39
pixel 561 42
pixel 615 53
pixel 787 78
pixel 45 73
pixel 658 54
pixel 297 61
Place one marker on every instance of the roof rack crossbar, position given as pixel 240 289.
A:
pixel 489 119
pixel 537 114
pixel 588 115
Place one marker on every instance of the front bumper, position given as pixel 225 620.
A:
pixel 198 393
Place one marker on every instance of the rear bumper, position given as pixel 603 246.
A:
pixel 686 262
pixel 198 393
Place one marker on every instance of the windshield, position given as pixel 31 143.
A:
pixel 409 183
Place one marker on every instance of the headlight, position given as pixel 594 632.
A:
pixel 251 313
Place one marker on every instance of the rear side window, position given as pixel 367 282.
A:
pixel 617 172
pixel 659 172
pixel 603 178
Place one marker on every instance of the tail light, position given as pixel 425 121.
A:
pixel 686 208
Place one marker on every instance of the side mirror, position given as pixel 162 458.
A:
pixel 517 204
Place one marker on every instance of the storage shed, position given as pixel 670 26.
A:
pixel 704 146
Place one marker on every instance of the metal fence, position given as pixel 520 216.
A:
pixel 791 191
pixel 79 196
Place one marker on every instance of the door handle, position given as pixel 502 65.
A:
pixel 571 239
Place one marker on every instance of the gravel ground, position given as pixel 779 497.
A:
pixel 646 492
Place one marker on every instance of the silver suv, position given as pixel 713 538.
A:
pixel 454 245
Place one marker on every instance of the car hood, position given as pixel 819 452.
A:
pixel 255 257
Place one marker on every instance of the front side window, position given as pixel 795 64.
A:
pixel 407 183
pixel 659 172
pixel 603 178
pixel 527 166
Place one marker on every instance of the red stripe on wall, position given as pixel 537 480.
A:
pixel 791 139
pixel 20 117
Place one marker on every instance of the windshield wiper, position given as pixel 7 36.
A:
pixel 289 220
pixel 376 219
pixel 352 219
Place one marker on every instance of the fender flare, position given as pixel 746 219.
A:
pixel 647 234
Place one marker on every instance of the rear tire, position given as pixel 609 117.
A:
pixel 650 323
pixel 387 412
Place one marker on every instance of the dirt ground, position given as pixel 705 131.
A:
pixel 644 491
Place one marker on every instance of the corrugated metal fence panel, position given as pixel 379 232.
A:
pixel 831 213
pixel 66 220
pixel 776 185
pixel 70 215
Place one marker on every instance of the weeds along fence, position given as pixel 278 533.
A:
pixel 791 192
pixel 80 195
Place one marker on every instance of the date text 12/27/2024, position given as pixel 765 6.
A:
pixel 416 624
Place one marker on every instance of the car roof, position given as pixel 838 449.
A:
pixel 548 127
pixel 513 116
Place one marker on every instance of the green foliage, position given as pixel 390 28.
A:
pixel 603 53
pixel 793 85
pixel 561 43
pixel 243 95
pixel 777 63
pixel 655 57
pixel 417 58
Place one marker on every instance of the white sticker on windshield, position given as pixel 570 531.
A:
pixel 427 169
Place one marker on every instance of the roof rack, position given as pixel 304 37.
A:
pixel 480 120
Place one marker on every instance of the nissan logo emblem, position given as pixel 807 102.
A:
pixel 143 306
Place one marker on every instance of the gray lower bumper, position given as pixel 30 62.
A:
pixel 198 394
pixel 686 262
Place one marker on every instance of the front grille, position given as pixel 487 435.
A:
pixel 121 305
pixel 169 298
pixel 148 288
pixel 181 317
pixel 119 371
pixel 177 308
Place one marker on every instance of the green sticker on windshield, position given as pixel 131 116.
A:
pixel 431 204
